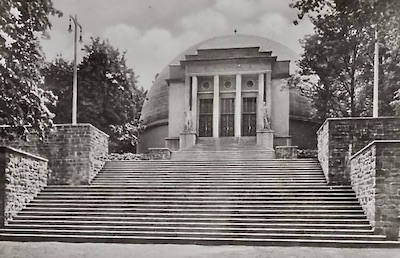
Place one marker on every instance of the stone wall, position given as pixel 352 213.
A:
pixel 323 149
pixel 336 136
pixel 98 152
pixel 22 177
pixel 363 174
pixel 76 153
pixel 375 176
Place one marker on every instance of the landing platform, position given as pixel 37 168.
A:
pixel 225 148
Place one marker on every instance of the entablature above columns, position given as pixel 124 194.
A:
pixel 227 67
pixel 213 73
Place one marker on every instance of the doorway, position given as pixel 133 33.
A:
pixel 206 118
pixel 249 116
pixel 227 117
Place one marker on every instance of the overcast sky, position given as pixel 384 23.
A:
pixel 153 32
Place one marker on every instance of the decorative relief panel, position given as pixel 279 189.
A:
pixel 227 83
pixel 249 82
pixel 205 84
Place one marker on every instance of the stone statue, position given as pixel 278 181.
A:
pixel 265 122
pixel 188 127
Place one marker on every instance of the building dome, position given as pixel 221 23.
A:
pixel 155 108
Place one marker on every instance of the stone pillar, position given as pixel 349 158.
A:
pixel 194 103
pixel 268 83
pixel 238 106
pixel 216 107
pixel 260 101
pixel 187 113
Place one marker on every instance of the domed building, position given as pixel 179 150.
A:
pixel 231 86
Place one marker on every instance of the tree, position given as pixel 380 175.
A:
pixel 341 52
pixel 108 94
pixel 22 102
pixel 58 76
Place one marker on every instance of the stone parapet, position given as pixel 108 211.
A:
pixel 76 153
pixel 22 177
pixel 172 143
pixel 187 140
pixel 265 138
pixel 375 178
pixel 338 138
pixel 286 152
pixel 159 154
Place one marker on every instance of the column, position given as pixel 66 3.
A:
pixel 194 103
pixel 260 100
pixel 187 114
pixel 268 93
pixel 238 106
pixel 216 107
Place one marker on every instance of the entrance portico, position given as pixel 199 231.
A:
pixel 229 93
pixel 220 106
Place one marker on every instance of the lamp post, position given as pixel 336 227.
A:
pixel 75 79
pixel 376 75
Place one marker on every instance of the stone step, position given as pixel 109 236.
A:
pixel 210 177
pixel 179 229
pixel 189 167
pixel 187 199
pixel 216 180
pixel 217 172
pixel 183 234
pixel 261 206
pixel 121 189
pixel 350 224
pixel 263 162
pixel 266 210
pixel 209 183
pixel 151 215
pixel 233 167
pixel 213 170
pixel 317 219
pixel 195 198
pixel 204 240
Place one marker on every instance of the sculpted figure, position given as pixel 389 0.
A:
pixel 188 123
pixel 266 122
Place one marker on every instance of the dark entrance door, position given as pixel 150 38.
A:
pixel 227 117
pixel 206 118
pixel 249 117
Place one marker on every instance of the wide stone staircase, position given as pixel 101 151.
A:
pixel 206 200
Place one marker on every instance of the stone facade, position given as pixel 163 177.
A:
pixel 76 153
pixel 375 177
pixel 22 177
pixel 338 138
